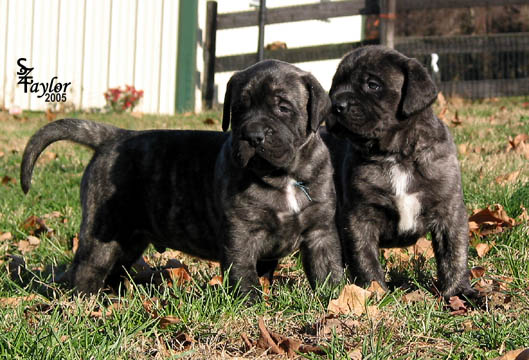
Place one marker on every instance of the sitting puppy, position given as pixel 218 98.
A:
pixel 246 199
pixel 397 175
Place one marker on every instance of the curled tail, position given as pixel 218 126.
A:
pixel 83 132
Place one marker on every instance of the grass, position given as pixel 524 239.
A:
pixel 53 324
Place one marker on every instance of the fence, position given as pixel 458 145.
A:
pixel 470 66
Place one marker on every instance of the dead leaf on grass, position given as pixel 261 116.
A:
pixel 523 217
pixel 457 305
pixel 75 243
pixel 508 178
pixel 178 275
pixel 30 244
pixel 331 323
pixel 6 236
pixel 414 296
pixel 491 220
pixel 184 340
pixel 482 249
pixel 215 280
pixel 520 354
pixel 423 247
pixel 16 301
pixel 279 344
pixel 355 355
pixel 168 320
pixel 376 289
pixel 210 121
pixel 8 180
pixel 108 311
pixel 462 149
pixel 477 272
pixel 36 226
pixel 352 300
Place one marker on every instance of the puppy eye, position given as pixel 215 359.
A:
pixel 373 85
pixel 284 109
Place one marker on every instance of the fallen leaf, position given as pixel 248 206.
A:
pixel 53 214
pixel 30 244
pixel 150 305
pixel 50 115
pixel 398 254
pixel 178 275
pixel 278 344
pixel 330 323
pixel 520 354
pixel 507 178
pixel 457 305
pixel 215 280
pixel 491 220
pixel 523 217
pixel 477 272
pixel 48 156
pixel 352 300
pixel 5 236
pixel 482 249
pixel 456 121
pixel 355 355
pixel 377 289
pixel 75 244
pixel 414 296
pixel 462 149
pixel 423 247
pixel 210 121
pixel 7 180
pixel 35 226
pixel 168 320
pixel 16 301
pixel 517 141
pixel 184 340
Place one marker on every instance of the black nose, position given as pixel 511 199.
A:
pixel 254 133
pixel 255 138
pixel 339 106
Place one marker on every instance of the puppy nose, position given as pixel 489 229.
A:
pixel 255 138
pixel 339 106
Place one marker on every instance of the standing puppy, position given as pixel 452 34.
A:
pixel 246 199
pixel 397 175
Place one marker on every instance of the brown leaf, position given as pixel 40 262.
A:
pixel 520 354
pixel 209 121
pixel 6 180
pixel 6 236
pixel 179 275
pixel 75 244
pixel 215 280
pixel 477 272
pixel 482 249
pixel 30 244
pixel 16 301
pixel 456 121
pixel 35 226
pixel 265 285
pixel 279 344
pixel 355 355
pixel 331 323
pixel 423 247
pixel 457 305
pixel 377 289
pixel 491 220
pixel 462 149
pixel 517 141
pixel 150 305
pixel 352 300
pixel 184 340
pixel 508 178
pixel 397 253
pixel 523 217
pixel 168 320
pixel 414 296
pixel 50 115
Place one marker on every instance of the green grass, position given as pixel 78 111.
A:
pixel 56 325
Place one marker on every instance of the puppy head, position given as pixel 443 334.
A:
pixel 273 108
pixel 376 89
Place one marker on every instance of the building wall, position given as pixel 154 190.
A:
pixel 94 44
pixel 296 34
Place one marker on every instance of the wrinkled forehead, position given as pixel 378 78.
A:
pixel 383 64
pixel 277 80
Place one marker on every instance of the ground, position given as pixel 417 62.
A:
pixel 179 316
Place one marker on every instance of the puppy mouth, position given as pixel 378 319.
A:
pixel 263 157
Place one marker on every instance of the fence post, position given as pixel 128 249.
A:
pixel 260 43
pixel 210 43
pixel 387 22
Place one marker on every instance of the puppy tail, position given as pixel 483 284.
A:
pixel 83 132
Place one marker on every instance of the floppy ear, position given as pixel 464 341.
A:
pixel 226 112
pixel 419 90
pixel 319 104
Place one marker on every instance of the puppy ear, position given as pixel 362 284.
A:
pixel 319 104
pixel 226 112
pixel 419 90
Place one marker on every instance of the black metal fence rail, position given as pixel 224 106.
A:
pixel 470 66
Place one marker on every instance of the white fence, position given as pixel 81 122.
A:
pixel 94 44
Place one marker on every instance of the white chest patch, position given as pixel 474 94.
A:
pixel 292 202
pixel 407 204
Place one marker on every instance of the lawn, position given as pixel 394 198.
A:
pixel 174 315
